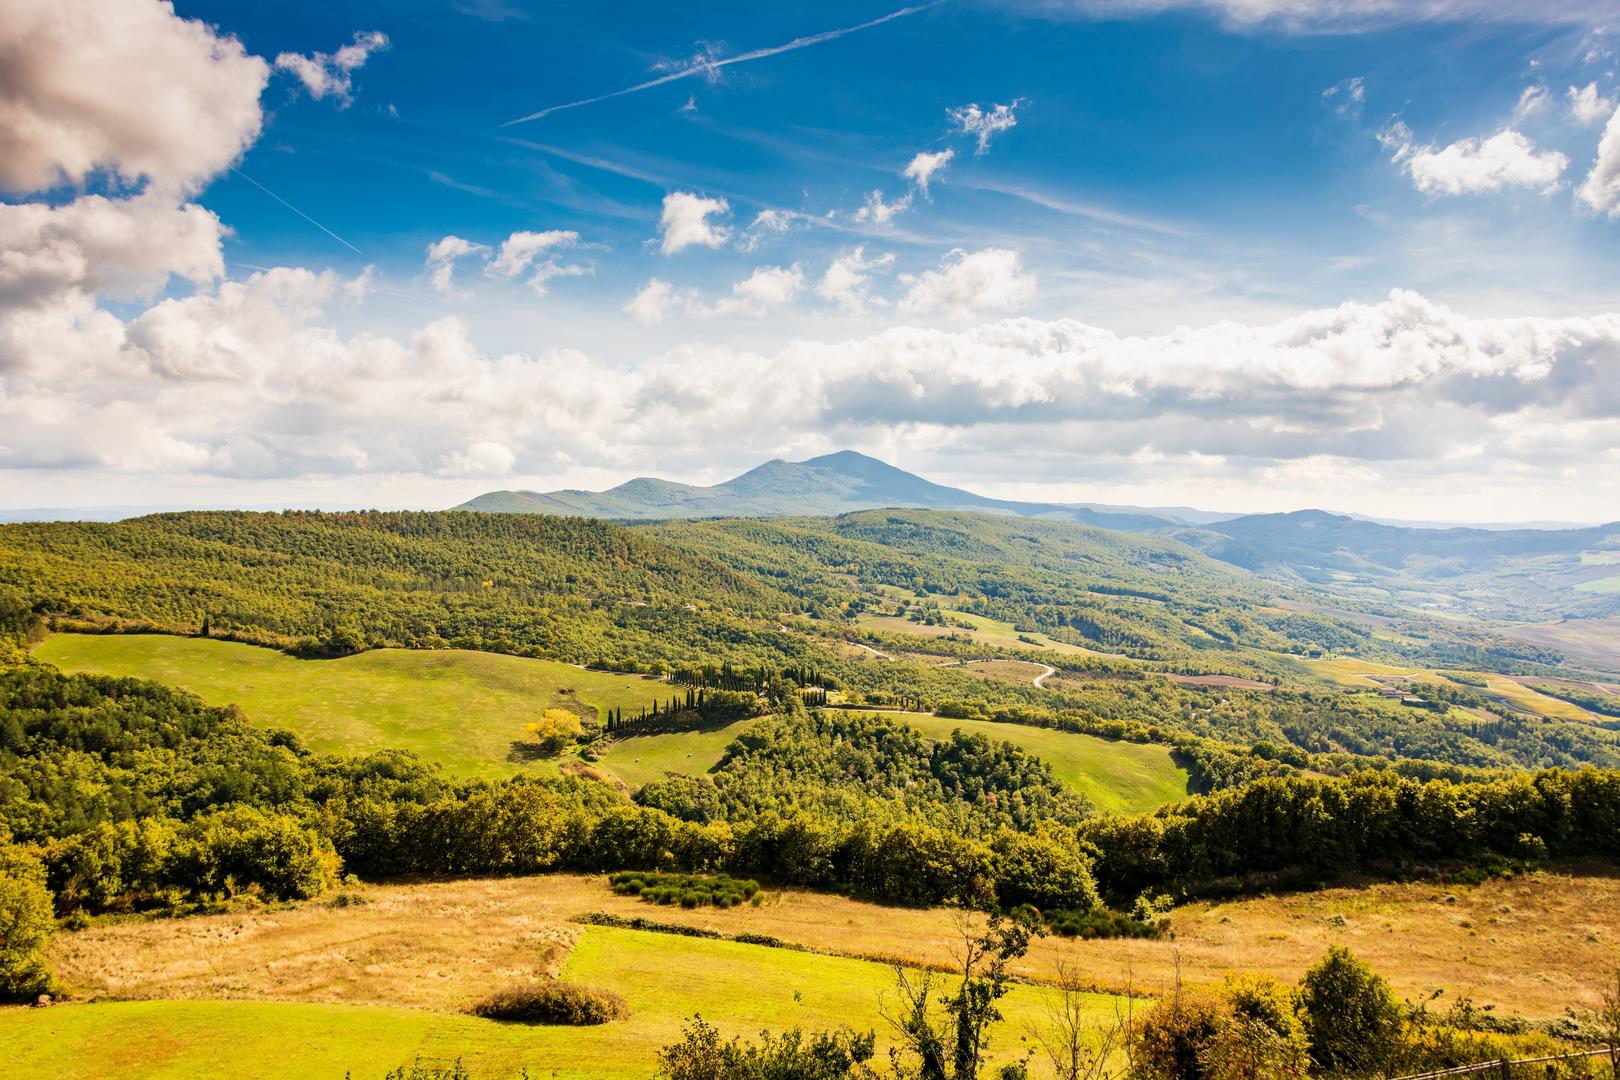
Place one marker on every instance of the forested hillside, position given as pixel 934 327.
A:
pixel 1118 613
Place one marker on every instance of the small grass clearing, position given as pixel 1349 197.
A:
pixel 461 709
pixel 991 633
pixel 643 759
pixel 1118 777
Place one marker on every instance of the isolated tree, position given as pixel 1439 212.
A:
pixel 555 729
pixel 1350 1015
pixel 949 1036
pixel 1079 1045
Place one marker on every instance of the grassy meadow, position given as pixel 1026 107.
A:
pixel 466 709
pixel 992 633
pixel 319 990
pixel 1118 777
pixel 462 709
pixel 642 759
pixel 420 955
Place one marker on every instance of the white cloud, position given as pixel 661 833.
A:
pixel 992 279
pixel 518 255
pixel 125 248
pixel 251 380
pixel 1472 166
pixel 332 74
pixel 847 281
pixel 1351 16
pixel 765 288
pixel 685 223
pixel 652 302
pixel 880 213
pixel 520 250
pixel 1346 96
pixel 923 167
pixel 1531 101
pixel 1601 191
pixel 984 125
pixel 480 459
pixel 767 223
pixel 442 256
pixel 1587 106
pixel 126 87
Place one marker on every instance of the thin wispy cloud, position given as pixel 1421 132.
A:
pixel 710 66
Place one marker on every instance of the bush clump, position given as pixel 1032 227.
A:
pixel 553 1002
pixel 1104 923
pixel 687 890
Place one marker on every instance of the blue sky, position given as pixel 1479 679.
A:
pixel 1247 253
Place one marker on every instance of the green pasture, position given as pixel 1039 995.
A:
pixel 742 989
pixel 462 709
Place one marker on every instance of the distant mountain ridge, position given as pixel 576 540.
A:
pixel 837 483
pixel 1520 573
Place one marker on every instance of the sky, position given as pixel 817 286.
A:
pixel 1244 255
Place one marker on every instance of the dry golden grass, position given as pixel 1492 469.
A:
pixel 1532 946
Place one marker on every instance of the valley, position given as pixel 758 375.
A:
pixel 350 774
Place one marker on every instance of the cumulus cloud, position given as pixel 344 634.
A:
pixel 765 288
pixel 652 302
pixel 1472 166
pixel 124 248
pixel 880 213
pixel 983 124
pixel 250 380
pixel 966 282
pixel 332 74
pixel 442 256
pixel 519 255
pixel 127 88
pixel 520 251
pixel 685 223
pixel 847 282
pixel 923 167
pixel 1601 191
pixel 1587 106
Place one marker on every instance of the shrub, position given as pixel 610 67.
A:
pixel 1351 1017
pixel 1173 1035
pixel 553 1002
pixel 25 925
pixel 687 890
pixel 1104 923
pixel 1261 1034
pixel 418 1070
pixel 792 1055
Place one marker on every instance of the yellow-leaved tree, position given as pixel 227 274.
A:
pixel 555 729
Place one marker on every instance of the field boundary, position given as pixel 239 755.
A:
pixel 1506 1066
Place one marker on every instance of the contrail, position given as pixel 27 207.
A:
pixel 705 66
pixel 295 210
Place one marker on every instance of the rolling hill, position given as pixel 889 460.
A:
pixel 831 484
pixel 1497 572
